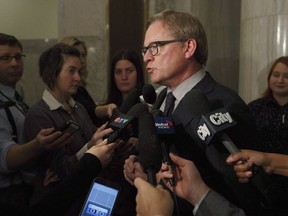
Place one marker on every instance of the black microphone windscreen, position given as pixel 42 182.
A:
pixel 150 152
pixel 137 110
pixel 149 94
pixel 157 112
pixel 217 123
pixel 131 100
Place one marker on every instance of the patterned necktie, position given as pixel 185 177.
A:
pixel 21 103
pixel 169 104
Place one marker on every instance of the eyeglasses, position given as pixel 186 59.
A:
pixel 153 47
pixel 8 59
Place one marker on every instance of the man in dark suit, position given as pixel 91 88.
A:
pixel 175 51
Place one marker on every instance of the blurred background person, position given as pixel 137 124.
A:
pixel 270 115
pixel 126 74
pixel 270 111
pixel 82 95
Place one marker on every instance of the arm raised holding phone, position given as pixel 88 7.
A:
pixel 20 154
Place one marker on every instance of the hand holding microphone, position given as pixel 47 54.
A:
pixel 150 155
pixel 165 130
pixel 131 99
pixel 211 127
pixel 164 126
pixel 119 119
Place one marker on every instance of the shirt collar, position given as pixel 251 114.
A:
pixel 180 91
pixel 272 100
pixel 7 91
pixel 53 103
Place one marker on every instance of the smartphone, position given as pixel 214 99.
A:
pixel 101 198
pixel 69 127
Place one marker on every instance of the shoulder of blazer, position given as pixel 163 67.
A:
pixel 207 84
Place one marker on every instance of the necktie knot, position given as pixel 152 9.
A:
pixel 169 104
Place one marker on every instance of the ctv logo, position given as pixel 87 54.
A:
pixel 120 120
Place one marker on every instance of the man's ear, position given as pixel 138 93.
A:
pixel 191 48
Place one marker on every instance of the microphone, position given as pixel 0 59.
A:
pixel 131 99
pixel 212 126
pixel 165 129
pixel 150 155
pixel 149 94
pixel 123 121
pixel 212 123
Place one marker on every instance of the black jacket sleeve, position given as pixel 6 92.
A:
pixel 72 187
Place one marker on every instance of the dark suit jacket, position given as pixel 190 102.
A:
pixel 215 204
pixel 210 159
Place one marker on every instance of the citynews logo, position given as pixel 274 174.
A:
pixel 217 119
pixel 164 125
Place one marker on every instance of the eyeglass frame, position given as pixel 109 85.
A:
pixel 159 44
pixel 9 58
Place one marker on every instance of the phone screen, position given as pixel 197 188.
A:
pixel 101 199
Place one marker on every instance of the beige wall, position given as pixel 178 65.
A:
pixel 29 19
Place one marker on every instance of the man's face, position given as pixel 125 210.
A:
pixel 10 72
pixel 168 65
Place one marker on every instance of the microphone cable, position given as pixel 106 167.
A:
pixel 172 193
pixel 174 197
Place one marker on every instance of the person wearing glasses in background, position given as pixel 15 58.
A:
pixel 175 52
pixel 15 155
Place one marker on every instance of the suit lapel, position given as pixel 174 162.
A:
pixel 206 85
pixel 180 115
